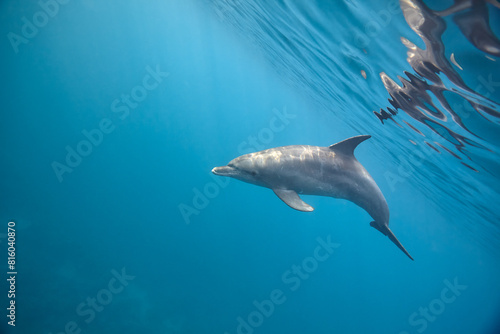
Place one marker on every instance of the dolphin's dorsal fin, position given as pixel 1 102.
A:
pixel 347 146
pixel 292 199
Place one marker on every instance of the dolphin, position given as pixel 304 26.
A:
pixel 313 170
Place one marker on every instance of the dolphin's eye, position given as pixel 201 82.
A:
pixel 253 173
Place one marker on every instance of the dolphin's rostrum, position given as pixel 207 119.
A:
pixel 312 170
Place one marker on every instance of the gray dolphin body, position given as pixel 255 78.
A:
pixel 312 170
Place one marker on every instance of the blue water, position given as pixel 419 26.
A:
pixel 114 114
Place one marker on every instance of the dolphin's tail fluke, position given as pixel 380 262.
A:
pixel 387 231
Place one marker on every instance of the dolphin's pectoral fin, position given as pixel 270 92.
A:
pixel 292 199
pixel 385 230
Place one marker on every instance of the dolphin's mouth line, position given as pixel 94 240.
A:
pixel 224 171
pixel 231 171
